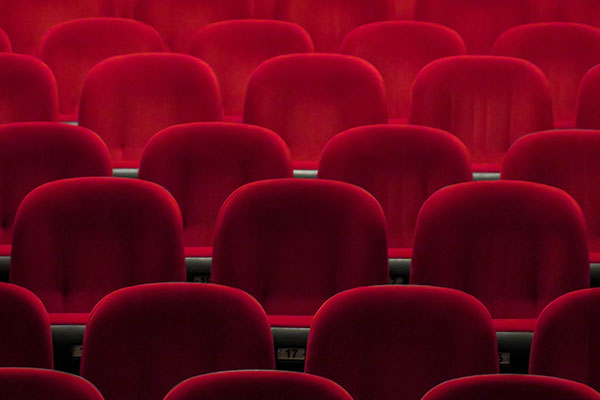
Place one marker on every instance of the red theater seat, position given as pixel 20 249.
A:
pixel 124 8
pixel 265 385
pixel 397 342
pixel 39 384
pixel 487 102
pixel 249 43
pixel 328 21
pixel 265 9
pixel 72 48
pixel 588 101
pixel 202 164
pixel 565 340
pixel 309 98
pixel 401 165
pixel 405 9
pixel 178 20
pixel 5 46
pixel 292 244
pixel 516 246
pixel 77 240
pixel 142 341
pixel 400 50
pixel 479 22
pixel 127 99
pixel 582 11
pixel 565 52
pixel 26 21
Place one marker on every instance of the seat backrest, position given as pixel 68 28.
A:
pixel 5 46
pixel 588 100
pixel 581 11
pixel 72 48
pixel 293 243
pixel 401 165
pixel 405 9
pixel 78 239
pixel 124 8
pixel 127 99
pixel 249 42
pixel 161 334
pixel 392 342
pixel 400 50
pixel 487 102
pixel 306 99
pixel 30 383
pixel 201 164
pixel 516 246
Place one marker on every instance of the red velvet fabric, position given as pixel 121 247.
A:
pixel 565 52
pixel 516 246
pixel 5 46
pixel 328 21
pixel 33 153
pixel 29 384
pixel 293 243
pixel 479 22
pixel 178 20
pixel 581 11
pixel 249 42
pixel 258 385
pixel 26 21
pixel 72 48
pixel 77 240
pixel 400 50
pixel 202 164
pixel 127 99
pixel 405 9
pixel 27 90
pixel 487 102
pixel 588 101
pixel 265 9
pixel 308 98
pixel 397 342
pixel 142 341
pixel 68 318
pixel 565 343
pixel 401 165
pixel 515 324
pixel 124 8
pixel 567 159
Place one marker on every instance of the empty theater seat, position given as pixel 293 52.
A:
pixel 516 246
pixel 399 50
pixel 249 43
pixel 564 342
pixel 26 21
pixel 487 102
pixel 76 240
pixel 202 164
pixel 265 385
pixel 39 384
pixel 394 342
pixel 328 21
pixel 27 90
pixel 588 101
pixel 308 98
pixel 565 52
pixel 160 334
pixel 127 99
pixel 582 11
pixel 178 20
pixel 401 165
pixel 72 48
pixel 292 244
pixel 479 22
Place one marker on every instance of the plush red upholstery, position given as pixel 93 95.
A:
pixel 72 48
pixel 565 52
pixel 26 21
pixel 516 387
pixel 582 11
pixel 328 21
pixel 32 384
pixel 77 240
pixel 27 90
pixel 292 244
pixel 265 9
pixel 25 338
pixel 516 246
pixel 479 22
pixel 265 385
pixel 487 102
pixel 397 342
pixel 399 50
pixel 5 46
pixel 127 99
pixel 565 343
pixel 201 164
pixel 178 20
pixel 401 165
pixel 588 101
pixel 405 9
pixel 124 8
pixel 249 42
pixel 308 98
pixel 160 334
